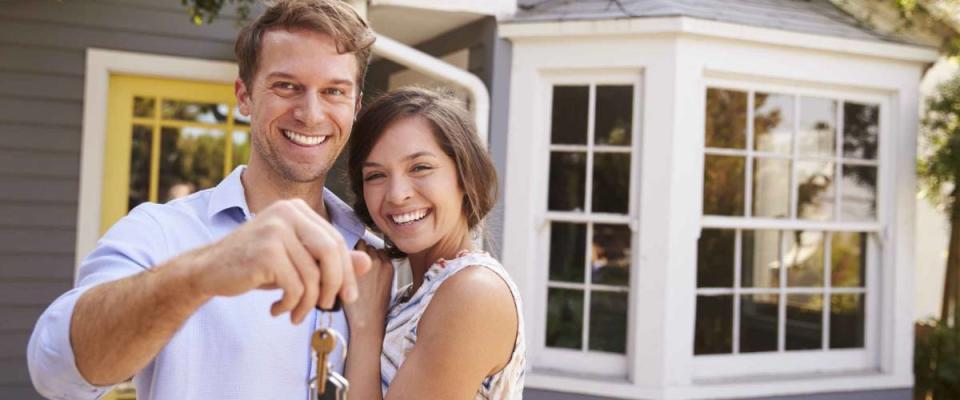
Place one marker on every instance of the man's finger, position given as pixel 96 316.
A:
pixel 309 273
pixel 288 281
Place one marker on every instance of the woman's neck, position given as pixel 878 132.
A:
pixel 445 249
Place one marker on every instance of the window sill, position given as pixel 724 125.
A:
pixel 739 388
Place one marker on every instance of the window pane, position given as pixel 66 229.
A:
pixel 726 119
pixel 139 166
pixel 568 173
pixel 859 193
pixel 611 254
pixel 804 321
pixel 761 259
pixel 815 194
pixel 241 148
pixel 846 321
pixel 714 325
pixel 817 127
pixel 191 159
pixel 565 318
pixel 773 123
pixel 758 322
pixel 803 257
pixel 771 188
pixel 614 118
pixel 608 322
pixel 849 264
pixel 611 182
pixel 715 258
pixel 194 111
pixel 143 107
pixel 723 185
pixel 861 128
pixel 568 243
pixel 569 115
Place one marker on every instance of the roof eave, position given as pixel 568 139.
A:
pixel 519 30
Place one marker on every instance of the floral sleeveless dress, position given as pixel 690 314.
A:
pixel 403 318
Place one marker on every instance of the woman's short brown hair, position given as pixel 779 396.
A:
pixel 455 132
pixel 335 18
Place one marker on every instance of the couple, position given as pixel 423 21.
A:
pixel 186 296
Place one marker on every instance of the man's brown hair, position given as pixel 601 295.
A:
pixel 335 18
pixel 454 131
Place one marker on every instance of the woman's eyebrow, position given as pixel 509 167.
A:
pixel 409 157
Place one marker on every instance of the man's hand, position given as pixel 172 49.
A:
pixel 287 246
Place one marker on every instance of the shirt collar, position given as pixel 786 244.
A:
pixel 229 194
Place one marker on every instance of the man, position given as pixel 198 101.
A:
pixel 173 294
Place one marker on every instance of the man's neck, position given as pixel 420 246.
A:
pixel 262 187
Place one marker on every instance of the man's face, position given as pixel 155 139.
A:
pixel 301 104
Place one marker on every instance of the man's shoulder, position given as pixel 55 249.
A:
pixel 191 208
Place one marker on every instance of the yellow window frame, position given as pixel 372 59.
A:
pixel 120 123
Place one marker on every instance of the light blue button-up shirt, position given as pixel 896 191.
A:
pixel 231 348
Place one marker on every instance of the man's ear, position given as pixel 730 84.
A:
pixel 356 107
pixel 243 96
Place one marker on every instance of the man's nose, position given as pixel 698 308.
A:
pixel 310 111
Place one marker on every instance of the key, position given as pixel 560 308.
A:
pixel 323 343
pixel 335 387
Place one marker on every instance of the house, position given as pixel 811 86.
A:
pixel 701 199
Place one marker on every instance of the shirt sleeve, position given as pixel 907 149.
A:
pixel 132 245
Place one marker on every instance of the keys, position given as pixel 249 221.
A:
pixel 323 343
pixel 335 388
pixel 328 385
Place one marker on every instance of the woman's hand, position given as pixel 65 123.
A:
pixel 370 310
pixel 367 320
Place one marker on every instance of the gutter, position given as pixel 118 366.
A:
pixel 437 69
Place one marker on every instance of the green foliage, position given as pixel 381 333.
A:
pixel 936 361
pixel 940 169
pixel 207 10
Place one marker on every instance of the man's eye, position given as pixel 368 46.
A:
pixel 336 91
pixel 285 85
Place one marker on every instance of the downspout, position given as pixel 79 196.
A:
pixel 437 69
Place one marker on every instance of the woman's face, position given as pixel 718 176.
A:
pixel 411 188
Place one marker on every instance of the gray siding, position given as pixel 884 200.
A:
pixel 42 60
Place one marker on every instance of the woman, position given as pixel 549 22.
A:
pixel 424 180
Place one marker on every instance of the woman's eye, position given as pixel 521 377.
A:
pixel 371 177
pixel 335 91
pixel 421 167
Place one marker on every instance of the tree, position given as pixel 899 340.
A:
pixel 940 175
pixel 205 11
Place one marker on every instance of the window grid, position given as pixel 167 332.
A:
pixel 587 216
pixel 793 223
pixel 156 123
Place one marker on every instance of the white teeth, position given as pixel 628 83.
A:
pixel 409 217
pixel 303 139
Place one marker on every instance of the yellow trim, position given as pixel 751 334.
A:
pixel 120 120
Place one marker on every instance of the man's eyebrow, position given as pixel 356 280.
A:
pixel 335 81
pixel 283 75
pixel 409 157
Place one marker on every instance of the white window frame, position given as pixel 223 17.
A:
pixel 607 365
pixel 719 366
pixel 101 64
